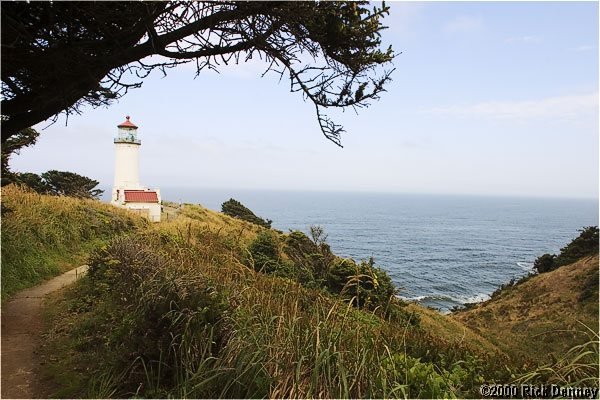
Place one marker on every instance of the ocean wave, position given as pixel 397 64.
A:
pixel 477 298
pixel 416 298
pixel 527 266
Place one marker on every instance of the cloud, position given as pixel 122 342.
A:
pixel 523 39
pixel 403 18
pixel 585 47
pixel 566 107
pixel 464 24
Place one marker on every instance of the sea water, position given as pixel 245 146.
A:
pixel 440 250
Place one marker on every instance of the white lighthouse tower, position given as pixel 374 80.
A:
pixel 127 190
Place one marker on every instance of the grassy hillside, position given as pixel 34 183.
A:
pixel 43 236
pixel 543 317
pixel 178 310
pixel 204 305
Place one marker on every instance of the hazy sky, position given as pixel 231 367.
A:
pixel 487 98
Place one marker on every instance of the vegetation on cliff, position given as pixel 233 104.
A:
pixel 175 309
pixel 205 305
pixel 235 209
pixel 586 244
pixel 541 318
pixel 43 236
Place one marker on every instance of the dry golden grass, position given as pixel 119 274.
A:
pixel 43 236
pixel 284 340
pixel 179 218
pixel 280 339
pixel 451 329
pixel 277 338
pixel 542 317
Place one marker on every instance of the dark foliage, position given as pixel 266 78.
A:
pixel 32 181
pixel 264 253
pixel 60 183
pixel 13 145
pixel 586 244
pixel 235 209
pixel 311 263
pixel 71 184
pixel 62 56
pixel 545 263
pixel 160 307
pixel 313 257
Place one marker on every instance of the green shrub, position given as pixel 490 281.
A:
pixel 165 317
pixel 311 263
pixel 264 253
pixel 364 284
pixel 310 258
pixel 235 209
pixel 545 263
pixel 412 378
pixel 586 244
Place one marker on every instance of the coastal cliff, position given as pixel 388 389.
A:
pixel 542 317
pixel 206 305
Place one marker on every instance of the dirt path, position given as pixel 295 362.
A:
pixel 22 326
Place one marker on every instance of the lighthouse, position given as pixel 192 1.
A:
pixel 127 191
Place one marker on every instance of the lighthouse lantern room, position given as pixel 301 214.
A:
pixel 127 190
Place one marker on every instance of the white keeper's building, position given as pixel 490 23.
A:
pixel 127 191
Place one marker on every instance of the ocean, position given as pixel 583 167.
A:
pixel 440 250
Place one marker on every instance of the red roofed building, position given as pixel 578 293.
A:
pixel 140 196
pixel 127 190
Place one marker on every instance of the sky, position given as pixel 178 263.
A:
pixel 488 98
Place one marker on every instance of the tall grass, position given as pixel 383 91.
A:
pixel 43 236
pixel 174 312
pixel 577 367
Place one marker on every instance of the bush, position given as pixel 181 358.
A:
pixel 311 263
pixel 414 378
pixel 310 256
pixel 167 317
pixel 264 254
pixel 586 244
pixel 364 284
pixel 235 209
pixel 545 263
pixel 59 183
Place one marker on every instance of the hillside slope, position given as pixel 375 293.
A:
pixel 542 317
pixel 205 305
pixel 43 236
pixel 180 306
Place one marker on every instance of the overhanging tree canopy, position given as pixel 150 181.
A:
pixel 60 56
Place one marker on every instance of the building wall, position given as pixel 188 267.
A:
pixel 148 210
pixel 127 166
